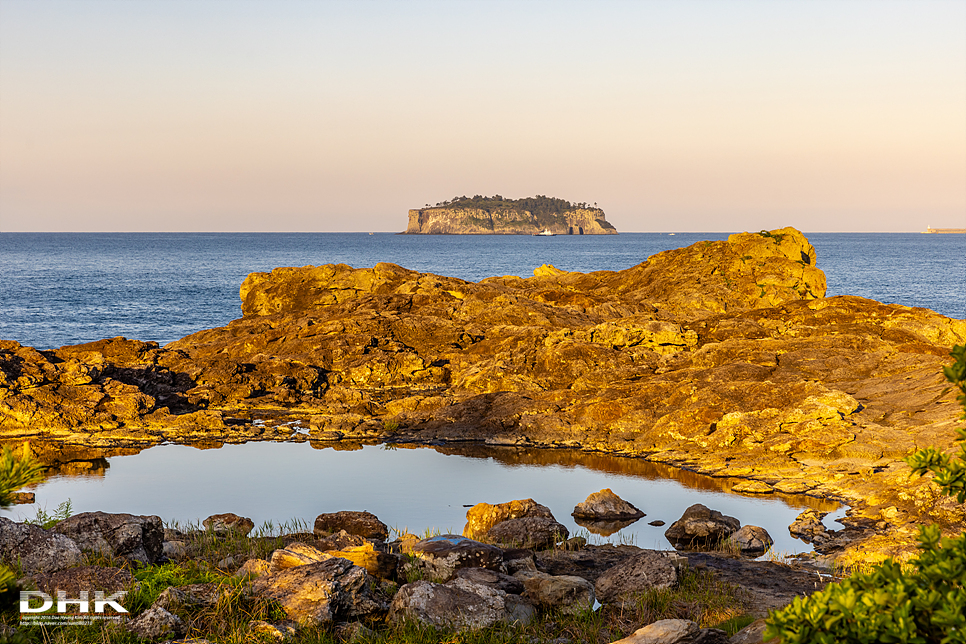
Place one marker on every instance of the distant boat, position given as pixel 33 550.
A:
pixel 545 233
pixel 670 233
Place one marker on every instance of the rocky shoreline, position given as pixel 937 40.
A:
pixel 513 562
pixel 724 358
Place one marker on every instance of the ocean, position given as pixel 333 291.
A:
pixel 68 288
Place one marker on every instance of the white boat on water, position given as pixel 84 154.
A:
pixel 544 233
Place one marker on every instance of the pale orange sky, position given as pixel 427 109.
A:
pixel 340 116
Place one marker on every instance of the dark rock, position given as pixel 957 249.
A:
pixel 364 524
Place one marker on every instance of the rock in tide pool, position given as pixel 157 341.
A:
pixel 606 506
pixel 700 528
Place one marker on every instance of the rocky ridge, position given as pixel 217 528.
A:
pixel 722 357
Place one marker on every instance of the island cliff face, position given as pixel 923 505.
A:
pixel 723 357
pixel 505 221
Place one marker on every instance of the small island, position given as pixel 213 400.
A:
pixel 497 215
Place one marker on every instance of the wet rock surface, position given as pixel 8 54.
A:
pixel 724 357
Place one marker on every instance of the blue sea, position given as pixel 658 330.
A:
pixel 68 288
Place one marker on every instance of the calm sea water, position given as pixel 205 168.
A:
pixel 58 289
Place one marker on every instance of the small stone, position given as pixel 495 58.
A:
pixel 657 523
pixel 278 631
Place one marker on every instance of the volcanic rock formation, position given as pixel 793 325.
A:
pixel 724 357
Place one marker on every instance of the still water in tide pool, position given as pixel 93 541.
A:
pixel 408 488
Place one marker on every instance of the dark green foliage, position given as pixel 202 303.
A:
pixel 547 210
pixel 922 602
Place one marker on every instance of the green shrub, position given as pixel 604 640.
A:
pixel 923 601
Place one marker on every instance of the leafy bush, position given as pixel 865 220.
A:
pixel 923 601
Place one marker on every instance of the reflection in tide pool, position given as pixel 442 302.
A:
pixel 414 488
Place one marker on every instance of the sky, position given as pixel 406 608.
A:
pixel 319 116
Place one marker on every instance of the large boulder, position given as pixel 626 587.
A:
pixel 135 538
pixel 528 532
pixel 649 570
pixel 36 549
pixel 318 593
pixel 365 524
pixel 483 516
pixel 606 506
pixel 701 528
pixel 441 556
